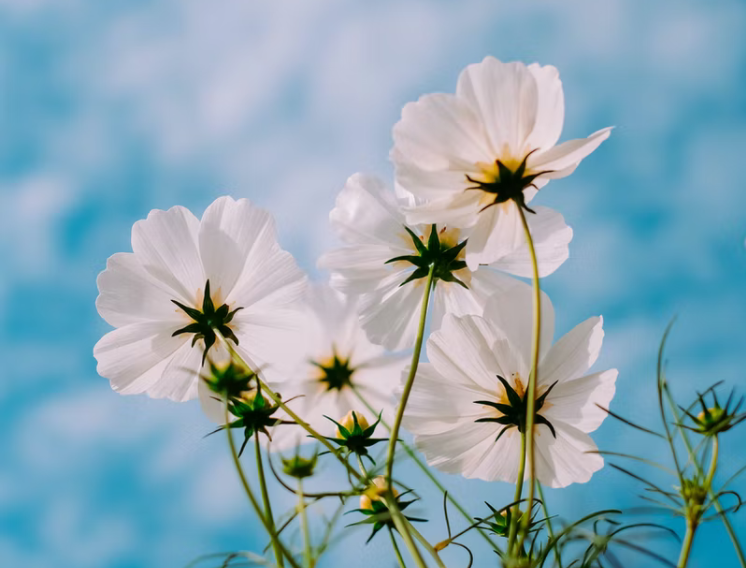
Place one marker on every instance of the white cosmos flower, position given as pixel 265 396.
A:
pixel 369 218
pixel 466 357
pixel 474 154
pixel 254 287
pixel 338 359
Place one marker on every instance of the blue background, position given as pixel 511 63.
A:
pixel 109 109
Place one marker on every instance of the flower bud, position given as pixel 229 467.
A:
pixel 375 491
pixel 348 422
pixel 298 466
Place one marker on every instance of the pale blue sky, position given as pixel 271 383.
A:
pixel 110 109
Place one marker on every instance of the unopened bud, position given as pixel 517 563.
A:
pixel 375 491
pixel 349 422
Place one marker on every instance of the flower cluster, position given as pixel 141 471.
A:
pixel 214 309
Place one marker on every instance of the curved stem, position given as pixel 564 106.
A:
pixel 713 463
pixel 686 546
pixel 265 499
pixel 307 552
pixel 513 529
pixel 396 549
pixel 402 526
pixel 550 530
pixel 425 544
pixel 250 493
pixel 532 379
pixel 410 378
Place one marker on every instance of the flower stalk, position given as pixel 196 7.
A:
pixel 265 499
pixel 532 381
pixel 251 496
pixel 402 526
pixel 307 551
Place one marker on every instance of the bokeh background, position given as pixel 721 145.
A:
pixel 110 109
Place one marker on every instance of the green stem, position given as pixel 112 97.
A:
pixel 429 474
pixel 250 493
pixel 718 507
pixel 402 526
pixel 713 463
pixel 410 378
pixel 550 530
pixel 307 552
pixel 532 379
pixel 513 529
pixel 396 549
pixel 686 547
pixel 265 499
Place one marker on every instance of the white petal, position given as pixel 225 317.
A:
pixel 270 338
pixel 390 315
pixel 460 210
pixel 358 269
pixel 551 238
pixel 134 357
pixel 498 233
pixel 437 184
pixel 550 112
pixel 576 401
pixel 511 312
pixel 568 153
pixel 211 405
pixel 181 375
pixel 470 351
pixel 566 459
pixel 451 298
pixel 367 212
pixel 166 245
pixel 230 232
pixel 128 294
pixel 271 281
pixel 470 449
pixel 437 403
pixel 441 132
pixel 506 97
pixel 574 353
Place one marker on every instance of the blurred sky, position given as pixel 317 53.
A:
pixel 109 109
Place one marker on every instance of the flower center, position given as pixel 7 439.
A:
pixel 336 373
pixel 513 407
pixel 503 183
pixel 208 321
pixel 442 252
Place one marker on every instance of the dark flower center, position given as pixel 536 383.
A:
pixel 336 374
pixel 507 185
pixel 208 321
pixel 435 254
pixel 513 414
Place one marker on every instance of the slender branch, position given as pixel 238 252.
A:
pixel 686 547
pixel 550 530
pixel 532 379
pixel 250 493
pixel 402 526
pixel 396 549
pixel 513 528
pixel 266 501
pixel 410 378
pixel 307 552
